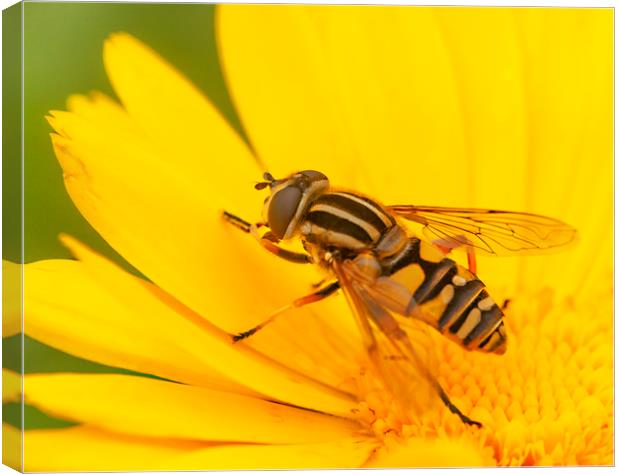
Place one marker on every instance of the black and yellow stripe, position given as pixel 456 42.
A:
pixel 456 301
pixel 345 221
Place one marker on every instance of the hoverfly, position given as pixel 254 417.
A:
pixel 389 275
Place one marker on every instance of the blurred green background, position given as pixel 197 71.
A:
pixel 63 56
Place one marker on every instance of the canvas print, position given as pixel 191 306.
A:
pixel 306 237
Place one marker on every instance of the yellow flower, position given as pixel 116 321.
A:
pixel 504 108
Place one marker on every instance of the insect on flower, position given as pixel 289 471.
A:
pixel 396 284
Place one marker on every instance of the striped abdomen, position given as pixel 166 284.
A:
pixel 451 298
pixel 345 221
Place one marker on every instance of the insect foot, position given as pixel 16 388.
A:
pixel 454 409
pixel 243 335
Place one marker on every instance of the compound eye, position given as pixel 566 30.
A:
pixel 282 209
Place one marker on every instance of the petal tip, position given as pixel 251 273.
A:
pixel 120 39
pixel 70 242
pixel 52 118
pixel 55 119
pixel 78 249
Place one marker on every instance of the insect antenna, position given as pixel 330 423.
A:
pixel 269 181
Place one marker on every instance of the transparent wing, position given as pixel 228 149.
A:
pixel 405 360
pixel 489 231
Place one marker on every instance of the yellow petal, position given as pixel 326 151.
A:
pixel 84 319
pixel 281 88
pixel 329 455
pixel 147 407
pixel 84 448
pixel 176 116
pixel 208 346
pixel 350 91
pixel 12 447
pixel 540 127
pixel 492 101
pixel 11 298
pixel 569 80
pixel 11 386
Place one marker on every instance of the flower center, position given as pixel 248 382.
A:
pixel 546 401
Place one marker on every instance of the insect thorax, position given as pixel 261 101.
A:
pixel 349 224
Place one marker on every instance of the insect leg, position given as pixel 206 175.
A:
pixel 454 409
pixel 267 240
pixel 449 244
pixel 239 223
pixel 298 303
